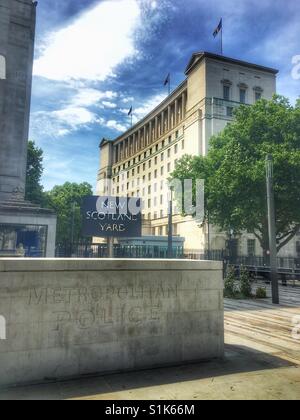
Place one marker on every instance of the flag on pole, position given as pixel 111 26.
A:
pixel 130 111
pixel 218 28
pixel 168 79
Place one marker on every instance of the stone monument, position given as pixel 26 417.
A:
pixel 23 226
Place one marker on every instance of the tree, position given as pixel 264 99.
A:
pixel 34 190
pixel 235 175
pixel 66 200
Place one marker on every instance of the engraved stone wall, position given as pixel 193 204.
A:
pixel 69 318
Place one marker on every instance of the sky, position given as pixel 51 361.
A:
pixel 94 59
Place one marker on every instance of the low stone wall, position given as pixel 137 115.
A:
pixel 66 318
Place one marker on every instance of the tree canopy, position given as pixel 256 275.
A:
pixel 235 170
pixel 34 189
pixel 66 200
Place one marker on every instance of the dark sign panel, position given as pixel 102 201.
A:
pixel 108 217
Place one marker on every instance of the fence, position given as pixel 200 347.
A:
pixel 86 250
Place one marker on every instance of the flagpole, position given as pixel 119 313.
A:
pixel 222 38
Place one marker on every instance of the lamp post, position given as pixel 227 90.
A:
pixel 231 233
pixel 170 229
pixel 272 229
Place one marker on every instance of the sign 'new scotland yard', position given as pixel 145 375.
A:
pixel 108 217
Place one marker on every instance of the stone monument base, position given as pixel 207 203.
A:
pixel 26 230
pixel 71 318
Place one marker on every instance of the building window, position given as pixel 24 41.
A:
pixel 155 201
pixel 162 170
pixel 156 147
pixel 226 92
pixel 257 96
pixel 251 247
pixel 2 67
pixel 149 177
pixel 138 169
pixel 176 148
pixel 177 134
pixel 229 111
pixel 175 229
pixel 155 173
pixel 242 96
pixel 170 139
pixel 160 231
pixel 149 203
pixel 169 167
pixel 162 157
pixel 144 166
pixel 155 187
pixel 182 145
pixel 149 189
pixel 169 153
pixel 163 144
pixel 150 163
pixel 133 172
pixel 161 199
pixel 298 249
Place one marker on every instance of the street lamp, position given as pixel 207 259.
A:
pixel 272 228
pixel 170 229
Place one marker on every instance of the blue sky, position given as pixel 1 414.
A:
pixel 96 58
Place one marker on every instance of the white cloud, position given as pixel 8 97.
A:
pixel 87 97
pixel 128 100
pixel 110 105
pixel 74 116
pixel 116 126
pixel 93 45
pixel 148 106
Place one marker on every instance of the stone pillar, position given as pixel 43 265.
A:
pixel 184 98
pixel 145 136
pixel 156 129
pixel 169 118
pixel 176 113
pixel 16 46
pixel 162 123
pixel 150 132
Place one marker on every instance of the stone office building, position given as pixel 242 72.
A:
pixel 141 160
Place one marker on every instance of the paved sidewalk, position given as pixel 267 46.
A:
pixel 262 362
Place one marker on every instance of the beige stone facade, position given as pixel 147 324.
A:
pixel 140 161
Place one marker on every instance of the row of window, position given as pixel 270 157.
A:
pixel 148 165
pixel 163 230
pixel 242 94
pixel 148 153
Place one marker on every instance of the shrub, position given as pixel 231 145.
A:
pixel 261 293
pixel 245 283
pixel 230 290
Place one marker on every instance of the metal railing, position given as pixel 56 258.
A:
pixel 87 250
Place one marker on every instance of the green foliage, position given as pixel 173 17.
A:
pixel 66 200
pixel 261 293
pixel 230 289
pixel 245 283
pixel 234 170
pixel 34 190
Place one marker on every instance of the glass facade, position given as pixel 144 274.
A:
pixel 23 240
